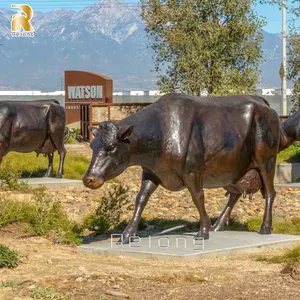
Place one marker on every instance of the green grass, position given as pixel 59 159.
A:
pixel 282 227
pixel 8 284
pixel 71 140
pixel 8 258
pixel 289 155
pixel 31 166
pixel 289 256
pixel 43 293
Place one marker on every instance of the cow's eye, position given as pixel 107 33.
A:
pixel 111 148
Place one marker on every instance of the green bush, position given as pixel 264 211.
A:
pixel 10 181
pixel 49 217
pixel 75 133
pixel 8 258
pixel 108 214
pixel 43 215
pixel 12 211
pixel 290 155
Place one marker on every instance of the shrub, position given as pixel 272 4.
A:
pixel 75 134
pixel 8 258
pixel 109 211
pixel 290 155
pixel 49 217
pixel 43 215
pixel 10 181
pixel 12 211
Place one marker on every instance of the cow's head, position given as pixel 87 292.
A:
pixel 110 153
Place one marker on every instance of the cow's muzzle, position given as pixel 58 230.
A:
pixel 92 182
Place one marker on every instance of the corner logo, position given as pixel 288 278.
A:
pixel 20 22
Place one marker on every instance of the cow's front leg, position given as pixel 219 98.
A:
pixel 225 215
pixel 194 183
pixel 50 166
pixel 149 185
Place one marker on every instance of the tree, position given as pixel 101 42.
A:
pixel 293 59
pixel 204 45
pixel 294 68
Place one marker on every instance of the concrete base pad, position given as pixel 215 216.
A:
pixel 52 182
pixel 185 247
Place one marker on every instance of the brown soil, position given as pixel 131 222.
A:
pixel 89 277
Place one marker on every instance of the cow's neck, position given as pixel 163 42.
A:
pixel 139 154
pixel 285 140
pixel 291 128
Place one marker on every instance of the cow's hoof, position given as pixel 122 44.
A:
pixel 218 227
pixel 202 235
pixel 58 176
pixel 124 240
pixel 265 230
pixel 47 175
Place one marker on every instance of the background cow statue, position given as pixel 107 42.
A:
pixel 188 142
pixel 27 126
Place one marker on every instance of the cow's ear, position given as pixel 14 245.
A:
pixel 93 130
pixel 124 132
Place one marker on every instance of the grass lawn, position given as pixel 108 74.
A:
pixel 31 166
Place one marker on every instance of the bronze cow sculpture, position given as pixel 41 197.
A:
pixel 188 142
pixel 251 183
pixel 27 126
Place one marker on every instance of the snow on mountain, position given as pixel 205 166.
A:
pixel 107 37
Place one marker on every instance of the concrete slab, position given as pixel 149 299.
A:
pixel 294 185
pixel 184 246
pixel 287 172
pixel 52 182
pixel 75 146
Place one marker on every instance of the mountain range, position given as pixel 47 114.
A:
pixel 107 37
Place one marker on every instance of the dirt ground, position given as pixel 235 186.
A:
pixel 61 268
pixel 88 277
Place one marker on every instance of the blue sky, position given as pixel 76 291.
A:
pixel 271 13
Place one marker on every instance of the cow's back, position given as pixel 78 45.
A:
pixel 179 131
pixel 27 124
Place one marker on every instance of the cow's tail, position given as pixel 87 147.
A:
pixel 67 134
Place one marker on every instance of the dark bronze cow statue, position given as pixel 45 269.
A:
pixel 188 142
pixel 27 126
pixel 250 183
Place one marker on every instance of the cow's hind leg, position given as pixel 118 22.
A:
pixel 225 215
pixel 3 148
pixel 149 185
pixel 57 134
pixel 265 152
pixel 194 183
pixel 50 166
pixel 270 193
